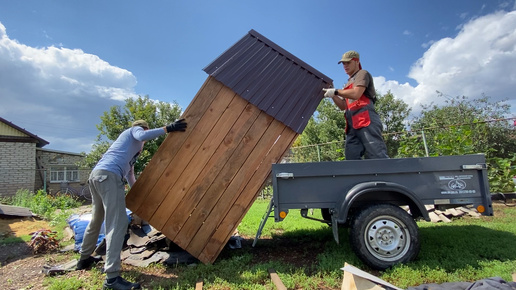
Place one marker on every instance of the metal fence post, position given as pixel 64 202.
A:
pixel 424 142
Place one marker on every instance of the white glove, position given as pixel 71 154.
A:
pixel 329 93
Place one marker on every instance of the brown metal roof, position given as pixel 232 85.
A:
pixel 272 79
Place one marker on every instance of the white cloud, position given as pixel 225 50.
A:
pixel 58 93
pixel 480 59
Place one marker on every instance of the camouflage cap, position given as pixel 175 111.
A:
pixel 141 123
pixel 348 56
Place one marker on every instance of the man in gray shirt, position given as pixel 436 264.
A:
pixel 107 188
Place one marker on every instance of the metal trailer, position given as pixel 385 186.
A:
pixel 366 196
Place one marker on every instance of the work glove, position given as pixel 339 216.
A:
pixel 178 125
pixel 329 93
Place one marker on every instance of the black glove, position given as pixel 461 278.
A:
pixel 178 125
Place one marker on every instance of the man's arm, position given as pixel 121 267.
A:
pixel 339 98
pixel 340 102
pixel 354 93
pixel 131 179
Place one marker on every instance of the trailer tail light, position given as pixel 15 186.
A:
pixel 282 214
pixel 481 209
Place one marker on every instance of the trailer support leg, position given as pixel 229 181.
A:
pixel 263 221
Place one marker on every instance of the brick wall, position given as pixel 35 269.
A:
pixel 17 165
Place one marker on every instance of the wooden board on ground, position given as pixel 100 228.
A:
pixel 356 279
pixel 10 210
pixel 276 280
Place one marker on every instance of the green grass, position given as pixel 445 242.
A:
pixel 305 256
pixel 55 209
pixel 292 223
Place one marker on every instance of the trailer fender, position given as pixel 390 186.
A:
pixel 361 190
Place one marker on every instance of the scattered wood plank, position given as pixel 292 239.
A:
pixel 429 207
pixel 15 211
pixel 444 218
pixel 453 212
pixel 434 217
pixel 470 211
pixel 199 284
pixel 447 215
pixel 276 280
pixel 356 279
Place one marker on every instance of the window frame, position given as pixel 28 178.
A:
pixel 64 173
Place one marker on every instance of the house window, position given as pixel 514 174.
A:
pixel 64 173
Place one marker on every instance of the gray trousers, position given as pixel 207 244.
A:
pixel 108 200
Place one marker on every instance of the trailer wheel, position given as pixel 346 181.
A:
pixel 383 235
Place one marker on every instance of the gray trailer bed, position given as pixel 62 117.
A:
pixel 366 196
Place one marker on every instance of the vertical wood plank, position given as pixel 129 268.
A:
pixel 246 150
pixel 180 161
pixel 225 152
pixel 190 172
pixel 244 201
pixel 170 146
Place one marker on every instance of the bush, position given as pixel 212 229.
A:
pixel 500 173
pixel 41 203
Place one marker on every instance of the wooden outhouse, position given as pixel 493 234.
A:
pixel 200 183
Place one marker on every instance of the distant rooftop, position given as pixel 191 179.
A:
pixel 40 142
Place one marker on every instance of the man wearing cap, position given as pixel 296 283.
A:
pixel 107 188
pixel 357 98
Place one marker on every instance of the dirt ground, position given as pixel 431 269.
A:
pixel 21 269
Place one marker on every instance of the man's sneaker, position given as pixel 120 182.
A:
pixel 120 283
pixel 87 263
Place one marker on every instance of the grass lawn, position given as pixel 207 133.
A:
pixel 305 256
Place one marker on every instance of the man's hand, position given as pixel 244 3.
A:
pixel 329 93
pixel 178 125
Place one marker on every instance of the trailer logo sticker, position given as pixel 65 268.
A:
pixel 456 184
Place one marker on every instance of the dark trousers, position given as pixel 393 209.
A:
pixel 365 142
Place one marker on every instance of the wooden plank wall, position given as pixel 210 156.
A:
pixel 200 183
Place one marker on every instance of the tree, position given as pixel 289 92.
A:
pixel 322 139
pixel 393 113
pixel 117 119
pixel 462 126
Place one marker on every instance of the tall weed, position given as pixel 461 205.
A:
pixel 42 204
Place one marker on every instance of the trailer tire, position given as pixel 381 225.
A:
pixel 383 235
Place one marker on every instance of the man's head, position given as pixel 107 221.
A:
pixel 141 123
pixel 351 62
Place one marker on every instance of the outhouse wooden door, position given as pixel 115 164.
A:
pixel 200 183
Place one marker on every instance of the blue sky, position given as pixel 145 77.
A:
pixel 64 63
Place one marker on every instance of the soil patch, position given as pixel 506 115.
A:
pixel 17 227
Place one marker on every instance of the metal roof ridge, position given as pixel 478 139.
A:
pixel 289 55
